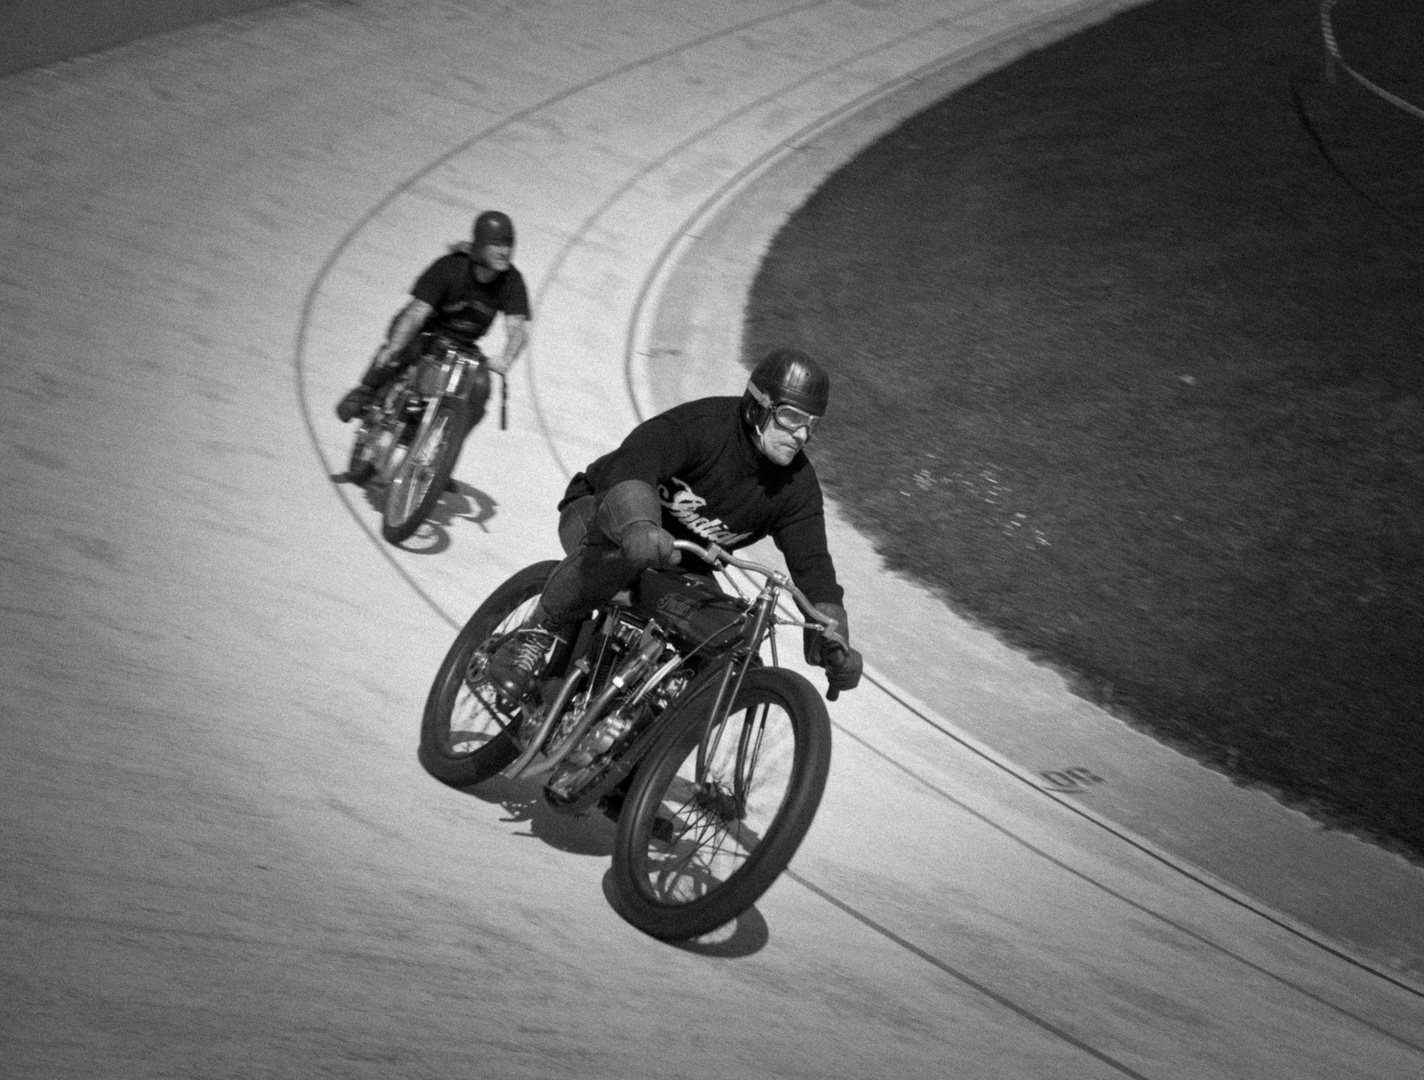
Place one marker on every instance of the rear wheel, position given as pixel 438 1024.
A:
pixel 716 811
pixel 421 478
pixel 462 736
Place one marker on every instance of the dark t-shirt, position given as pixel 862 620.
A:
pixel 464 306
pixel 716 486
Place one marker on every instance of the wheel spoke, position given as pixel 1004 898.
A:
pixel 721 803
pixel 475 716
pixel 464 738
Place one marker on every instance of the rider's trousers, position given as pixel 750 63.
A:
pixel 594 569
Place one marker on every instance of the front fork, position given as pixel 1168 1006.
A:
pixel 728 688
pixel 427 420
pixel 455 377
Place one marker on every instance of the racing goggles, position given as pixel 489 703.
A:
pixel 787 417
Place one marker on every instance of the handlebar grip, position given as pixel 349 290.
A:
pixel 834 643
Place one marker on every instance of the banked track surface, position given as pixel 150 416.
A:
pixel 251 877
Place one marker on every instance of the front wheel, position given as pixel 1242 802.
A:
pixel 421 478
pixel 717 810
pixel 462 736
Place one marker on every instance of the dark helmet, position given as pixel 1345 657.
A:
pixel 785 377
pixel 493 227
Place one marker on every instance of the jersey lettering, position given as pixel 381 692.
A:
pixel 685 505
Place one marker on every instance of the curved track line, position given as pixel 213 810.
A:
pixel 744 177
pixel 973 984
pixel 649 297
pixel 1088 879
pixel 324 271
pixel 646 294
pixel 719 198
pixel 1126 836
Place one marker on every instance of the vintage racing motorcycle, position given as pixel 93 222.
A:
pixel 409 438
pixel 662 712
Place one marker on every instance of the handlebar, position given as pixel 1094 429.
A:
pixel 443 346
pixel 718 556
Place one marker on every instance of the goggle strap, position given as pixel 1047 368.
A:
pixel 755 391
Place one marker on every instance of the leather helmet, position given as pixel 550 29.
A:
pixel 493 227
pixel 785 377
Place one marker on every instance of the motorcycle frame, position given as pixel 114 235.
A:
pixel 455 366
pixel 654 658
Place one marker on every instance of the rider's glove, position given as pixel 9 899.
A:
pixel 843 668
pixel 814 641
pixel 842 663
pixel 629 513
pixel 648 546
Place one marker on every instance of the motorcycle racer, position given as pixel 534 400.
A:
pixel 457 297
pixel 721 470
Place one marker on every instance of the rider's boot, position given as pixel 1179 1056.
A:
pixel 356 401
pixel 359 397
pixel 522 658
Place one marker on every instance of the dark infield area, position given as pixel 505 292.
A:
pixel 1128 353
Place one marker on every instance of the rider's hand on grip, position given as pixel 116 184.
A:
pixel 814 641
pixel 843 669
pixel 649 546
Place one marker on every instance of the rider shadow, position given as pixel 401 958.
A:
pixel 523 801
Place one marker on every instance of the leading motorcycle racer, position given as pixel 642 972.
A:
pixel 721 470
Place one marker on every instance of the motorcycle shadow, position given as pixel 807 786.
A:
pixel 523 800
pixel 461 502
pixel 592 834
pixel 748 933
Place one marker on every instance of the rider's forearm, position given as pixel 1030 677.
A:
pixel 406 326
pixel 516 335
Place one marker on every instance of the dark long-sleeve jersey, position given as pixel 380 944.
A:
pixel 716 486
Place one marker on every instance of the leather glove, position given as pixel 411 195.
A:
pixel 648 546
pixel 843 669
pixel 814 642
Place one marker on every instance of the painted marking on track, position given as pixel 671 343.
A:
pixel 1074 780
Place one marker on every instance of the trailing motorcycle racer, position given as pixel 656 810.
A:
pixel 456 297
pixel 723 470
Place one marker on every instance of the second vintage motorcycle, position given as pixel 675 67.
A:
pixel 410 436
